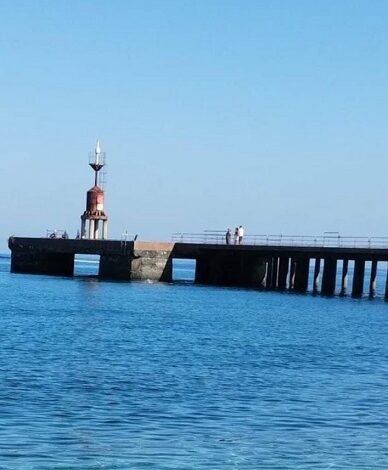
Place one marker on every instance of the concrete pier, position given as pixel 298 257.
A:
pixel 272 267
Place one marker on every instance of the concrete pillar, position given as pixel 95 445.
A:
pixel 269 271
pixel 317 271
pixel 95 235
pixel 283 272
pixel 292 274
pixel 275 269
pixel 358 278
pixel 83 229
pixel 372 282
pixel 301 274
pixel 153 267
pixel 91 229
pixel 329 276
pixel 105 230
pixel 344 281
pixel 117 267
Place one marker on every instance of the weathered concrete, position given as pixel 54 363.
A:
pixel 139 261
pixel 152 261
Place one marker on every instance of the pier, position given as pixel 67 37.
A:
pixel 296 267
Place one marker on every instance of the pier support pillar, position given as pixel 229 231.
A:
pixel 152 264
pixel 283 272
pixel 271 278
pixel 373 277
pixel 358 278
pixel 115 267
pixel 329 276
pixel 268 273
pixel 275 269
pixel 344 280
pixel 317 271
pixel 301 274
pixel 292 274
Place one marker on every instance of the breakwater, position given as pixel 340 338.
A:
pixel 292 268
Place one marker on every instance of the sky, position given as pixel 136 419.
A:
pixel 270 114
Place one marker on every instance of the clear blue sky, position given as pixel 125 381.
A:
pixel 271 114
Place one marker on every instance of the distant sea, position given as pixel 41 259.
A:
pixel 106 375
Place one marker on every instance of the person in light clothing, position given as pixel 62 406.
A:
pixel 240 232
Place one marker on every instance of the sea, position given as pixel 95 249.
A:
pixel 143 375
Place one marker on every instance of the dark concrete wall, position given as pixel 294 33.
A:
pixel 37 262
pixel 228 268
pixel 116 267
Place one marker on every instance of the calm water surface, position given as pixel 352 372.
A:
pixel 100 375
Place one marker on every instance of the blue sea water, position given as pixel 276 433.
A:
pixel 103 375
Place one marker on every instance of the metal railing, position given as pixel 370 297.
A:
pixel 56 233
pixel 328 239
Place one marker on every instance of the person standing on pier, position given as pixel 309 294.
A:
pixel 236 235
pixel 228 236
pixel 240 232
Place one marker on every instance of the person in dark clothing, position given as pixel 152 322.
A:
pixel 228 236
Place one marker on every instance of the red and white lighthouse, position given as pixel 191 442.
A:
pixel 94 221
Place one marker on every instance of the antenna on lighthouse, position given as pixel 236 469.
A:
pixel 97 162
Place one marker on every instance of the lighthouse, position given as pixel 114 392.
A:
pixel 94 221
